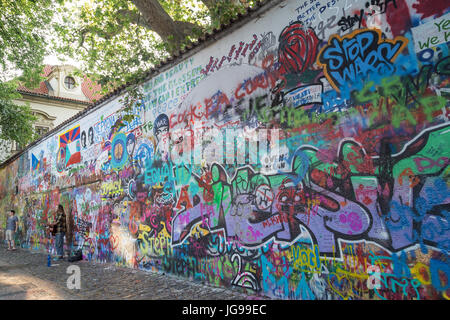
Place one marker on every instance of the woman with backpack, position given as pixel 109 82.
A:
pixel 59 230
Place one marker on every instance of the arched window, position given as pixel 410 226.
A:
pixel 41 130
pixel 69 82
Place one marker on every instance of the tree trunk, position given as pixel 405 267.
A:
pixel 160 21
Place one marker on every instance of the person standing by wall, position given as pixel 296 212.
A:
pixel 60 226
pixel 11 228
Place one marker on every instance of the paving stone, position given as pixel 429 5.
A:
pixel 24 275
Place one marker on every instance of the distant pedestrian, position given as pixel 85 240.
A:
pixel 60 226
pixel 12 225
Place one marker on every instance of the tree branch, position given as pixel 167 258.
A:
pixel 154 15
pixel 134 17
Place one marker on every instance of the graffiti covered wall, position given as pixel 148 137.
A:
pixel 302 156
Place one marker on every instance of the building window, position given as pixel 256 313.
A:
pixel 40 131
pixel 69 82
pixel 16 147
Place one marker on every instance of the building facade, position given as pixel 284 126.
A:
pixel 59 97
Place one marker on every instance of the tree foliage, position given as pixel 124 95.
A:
pixel 23 30
pixel 118 40
pixel 15 120
pixel 115 41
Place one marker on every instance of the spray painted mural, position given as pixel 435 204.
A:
pixel 303 156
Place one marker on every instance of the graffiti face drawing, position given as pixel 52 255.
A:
pixel 83 139
pixel 131 143
pixel 91 136
pixel 161 132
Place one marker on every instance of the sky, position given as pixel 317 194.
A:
pixel 53 60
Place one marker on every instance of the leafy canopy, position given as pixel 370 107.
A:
pixel 114 41
pixel 117 41
pixel 23 30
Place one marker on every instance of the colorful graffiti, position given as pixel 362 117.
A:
pixel 359 54
pixel 302 157
pixel 69 152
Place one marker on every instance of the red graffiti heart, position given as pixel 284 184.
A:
pixel 298 48
pixel 114 240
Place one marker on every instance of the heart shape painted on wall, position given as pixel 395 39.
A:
pixel 340 284
pixel 114 240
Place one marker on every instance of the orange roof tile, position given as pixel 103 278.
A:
pixel 89 88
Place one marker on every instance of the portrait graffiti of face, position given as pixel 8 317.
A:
pixel 83 139
pixel 162 133
pixel 161 127
pixel 91 136
pixel 61 160
pixel 131 142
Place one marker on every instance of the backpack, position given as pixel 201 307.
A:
pixel 52 230
pixel 77 256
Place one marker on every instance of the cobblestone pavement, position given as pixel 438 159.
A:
pixel 24 275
